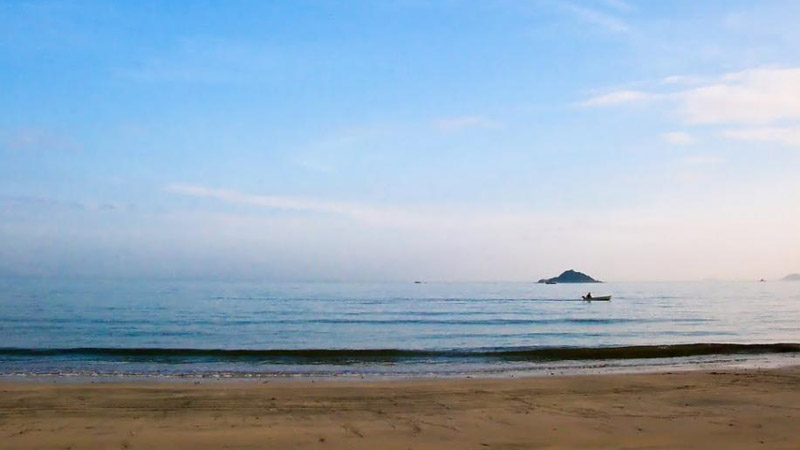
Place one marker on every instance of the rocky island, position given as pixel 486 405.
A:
pixel 791 277
pixel 570 276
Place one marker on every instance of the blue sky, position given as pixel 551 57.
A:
pixel 362 140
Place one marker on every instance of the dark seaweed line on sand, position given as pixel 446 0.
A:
pixel 350 356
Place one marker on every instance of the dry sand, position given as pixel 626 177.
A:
pixel 703 410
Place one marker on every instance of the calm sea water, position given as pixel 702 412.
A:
pixel 138 327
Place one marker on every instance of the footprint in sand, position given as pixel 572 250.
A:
pixel 349 429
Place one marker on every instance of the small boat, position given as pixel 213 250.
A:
pixel 602 298
pixel 550 282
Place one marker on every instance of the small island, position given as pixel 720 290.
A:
pixel 791 277
pixel 570 276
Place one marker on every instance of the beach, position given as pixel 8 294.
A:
pixel 366 225
pixel 710 409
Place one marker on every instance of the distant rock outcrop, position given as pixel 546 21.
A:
pixel 791 277
pixel 570 276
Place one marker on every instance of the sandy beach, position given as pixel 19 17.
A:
pixel 722 409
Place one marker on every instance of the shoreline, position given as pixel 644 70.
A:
pixel 191 363
pixel 755 408
pixel 122 372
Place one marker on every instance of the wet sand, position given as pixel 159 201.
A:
pixel 703 410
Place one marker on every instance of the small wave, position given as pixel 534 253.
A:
pixel 350 356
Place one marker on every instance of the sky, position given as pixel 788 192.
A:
pixel 400 140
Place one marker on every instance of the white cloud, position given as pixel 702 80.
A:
pixel 461 123
pixel 678 138
pixel 749 97
pixel 681 80
pixel 789 136
pixel 597 18
pixel 617 98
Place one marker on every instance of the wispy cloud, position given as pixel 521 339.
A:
pixel 750 97
pixel 434 217
pixel 681 80
pixel 617 98
pixel 596 17
pixel 363 213
pixel 267 201
pixel 789 136
pixel 34 203
pixel 37 140
pixel 210 61
pixel 619 5
pixel 326 153
pixel 466 122
pixel 678 138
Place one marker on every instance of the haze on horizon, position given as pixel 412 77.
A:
pixel 435 140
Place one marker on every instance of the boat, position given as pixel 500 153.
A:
pixel 601 298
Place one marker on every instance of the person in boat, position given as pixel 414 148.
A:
pixel 588 296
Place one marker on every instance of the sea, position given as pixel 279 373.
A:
pixel 113 329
